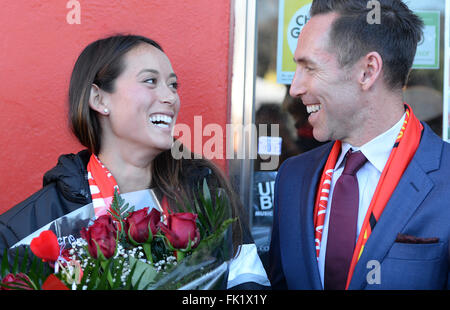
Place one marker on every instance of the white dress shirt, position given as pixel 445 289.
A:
pixel 377 152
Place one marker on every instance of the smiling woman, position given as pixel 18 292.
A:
pixel 139 103
pixel 123 105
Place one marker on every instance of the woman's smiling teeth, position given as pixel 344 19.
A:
pixel 312 108
pixel 161 120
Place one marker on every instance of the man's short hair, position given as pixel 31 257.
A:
pixel 395 37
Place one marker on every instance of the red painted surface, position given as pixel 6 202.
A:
pixel 39 48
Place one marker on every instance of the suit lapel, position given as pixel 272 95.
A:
pixel 409 194
pixel 307 200
pixel 412 189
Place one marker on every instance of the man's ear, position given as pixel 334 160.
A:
pixel 371 70
pixel 97 100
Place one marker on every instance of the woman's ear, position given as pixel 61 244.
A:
pixel 372 66
pixel 97 100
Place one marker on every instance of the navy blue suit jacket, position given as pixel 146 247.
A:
pixel 419 206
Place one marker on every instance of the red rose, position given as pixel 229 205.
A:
pixel 102 233
pixel 139 223
pixel 18 281
pixel 180 228
pixel 46 246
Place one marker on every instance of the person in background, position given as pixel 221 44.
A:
pixel 368 210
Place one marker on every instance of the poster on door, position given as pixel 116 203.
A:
pixel 427 54
pixel 262 209
pixel 293 15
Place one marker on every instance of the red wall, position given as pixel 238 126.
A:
pixel 39 48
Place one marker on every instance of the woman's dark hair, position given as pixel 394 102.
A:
pixel 394 37
pixel 100 63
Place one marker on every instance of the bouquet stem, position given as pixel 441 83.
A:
pixel 180 256
pixel 148 252
pixel 105 266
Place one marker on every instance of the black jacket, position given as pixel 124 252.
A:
pixel 65 189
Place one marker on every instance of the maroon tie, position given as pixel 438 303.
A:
pixel 342 226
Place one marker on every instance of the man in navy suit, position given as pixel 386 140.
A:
pixel 350 74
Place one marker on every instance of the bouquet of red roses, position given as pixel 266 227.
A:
pixel 128 249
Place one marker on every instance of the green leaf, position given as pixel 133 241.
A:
pixel 15 266
pixel 128 285
pixel 207 204
pixel 206 192
pixel 105 282
pixel 204 224
pixel 41 270
pixel 143 274
pixel 5 264
pixel 222 210
pixel 203 216
pixel 32 273
pixel 217 235
pixel 23 266
pixel 118 270
pixel 94 276
pixel 86 274
pixel 211 213
pixel 119 206
pixel 118 218
pixel 91 272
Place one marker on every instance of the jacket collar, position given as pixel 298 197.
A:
pixel 70 176
pixel 307 200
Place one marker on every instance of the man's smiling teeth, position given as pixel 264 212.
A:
pixel 313 108
pixel 161 120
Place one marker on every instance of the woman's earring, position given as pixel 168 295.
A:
pixel 106 110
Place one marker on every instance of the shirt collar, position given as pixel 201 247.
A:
pixel 377 150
